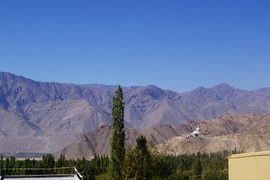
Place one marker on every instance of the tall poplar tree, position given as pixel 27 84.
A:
pixel 118 136
pixel 143 157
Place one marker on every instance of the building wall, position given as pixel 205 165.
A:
pixel 250 166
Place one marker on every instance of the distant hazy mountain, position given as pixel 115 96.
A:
pixel 246 133
pixel 45 117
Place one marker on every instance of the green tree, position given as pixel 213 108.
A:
pixel 48 163
pixel 11 164
pixel 118 136
pixel 197 168
pixel 161 166
pixel 213 174
pixel 61 162
pixel 130 163
pixel 143 157
pixel 7 166
pixel 1 164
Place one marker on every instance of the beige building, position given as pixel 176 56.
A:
pixel 250 166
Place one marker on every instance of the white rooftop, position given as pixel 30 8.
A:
pixel 52 177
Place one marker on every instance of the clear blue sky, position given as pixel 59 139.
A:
pixel 173 44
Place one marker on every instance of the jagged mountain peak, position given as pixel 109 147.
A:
pixel 220 88
pixel 264 92
pixel 223 90
pixel 11 79
pixel 69 110
pixel 223 86
pixel 153 91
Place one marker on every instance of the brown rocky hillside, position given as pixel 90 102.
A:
pixel 242 132
pixel 249 133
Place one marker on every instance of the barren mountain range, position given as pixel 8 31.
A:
pixel 45 117
pixel 248 133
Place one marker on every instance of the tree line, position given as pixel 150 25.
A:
pixel 48 166
pixel 137 164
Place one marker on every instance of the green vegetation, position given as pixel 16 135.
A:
pixel 48 165
pixel 141 162
pixel 137 161
pixel 118 136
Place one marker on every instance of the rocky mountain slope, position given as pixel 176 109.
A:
pixel 45 117
pixel 251 137
pixel 242 132
pixel 98 141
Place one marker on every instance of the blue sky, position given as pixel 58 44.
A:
pixel 173 44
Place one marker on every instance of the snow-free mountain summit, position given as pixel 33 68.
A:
pixel 45 117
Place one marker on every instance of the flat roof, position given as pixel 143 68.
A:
pixel 252 154
pixel 43 177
